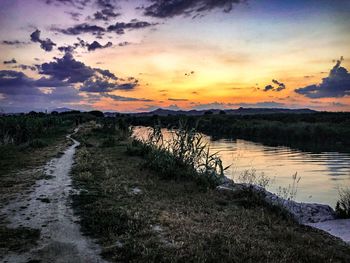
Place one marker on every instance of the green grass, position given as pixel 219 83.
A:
pixel 138 216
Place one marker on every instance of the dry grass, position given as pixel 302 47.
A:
pixel 138 216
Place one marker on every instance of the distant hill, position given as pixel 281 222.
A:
pixel 239 111
pixel 60 110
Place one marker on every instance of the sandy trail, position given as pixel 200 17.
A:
pixel 48 208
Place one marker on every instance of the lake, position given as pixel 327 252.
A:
pixel 322 174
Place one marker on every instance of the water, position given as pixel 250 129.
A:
pixel 321 173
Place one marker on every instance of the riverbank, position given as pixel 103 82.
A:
pixel 136 215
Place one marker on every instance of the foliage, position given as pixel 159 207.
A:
pixel 184 155
pixel 33 127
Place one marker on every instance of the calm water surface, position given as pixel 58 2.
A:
pixel 321 173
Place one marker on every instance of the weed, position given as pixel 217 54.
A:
pixel 290 192
pixel 251 177
pixel 343 205
pixel 184 155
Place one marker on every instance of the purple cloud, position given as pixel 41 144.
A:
pixel 336 85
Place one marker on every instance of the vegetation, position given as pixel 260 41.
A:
pixel 251 177
pixel 290 192
pixel 184 155
pixel 144 201
pixel 138 215
pixel 343 205
pixel 313 132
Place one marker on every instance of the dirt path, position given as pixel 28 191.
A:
pixel 48 208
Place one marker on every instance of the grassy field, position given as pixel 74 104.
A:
pixel 137 215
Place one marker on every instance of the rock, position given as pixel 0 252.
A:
pixel 302 212
pixel 136 191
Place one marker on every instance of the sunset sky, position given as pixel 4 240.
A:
pixel 139 55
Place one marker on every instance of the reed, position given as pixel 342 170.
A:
pixel 343 204
pixel 184 155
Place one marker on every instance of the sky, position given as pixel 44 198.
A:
pixel 140 55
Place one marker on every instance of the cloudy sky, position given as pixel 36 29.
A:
pixel 139 55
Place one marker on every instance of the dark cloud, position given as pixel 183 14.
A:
pixel 13 42
pixel 127 86
pixel 95 45
pixel 61 81
pixel 98 86
pixel 189 73
pixel 26 67
pixel 268 87
pixel 19 89
pixel 74 15
pixel 336 85
pixel 280 86
pixel 107 4
pixel 120 27
pixel 172 99
pixel 171 8
pixel 14 82
pixel 121 98
pixel 45 44
pixel 103 85
pixel 80 4
pixel 96 80
pixel 67 69
pixel 81 29
pixel 66 49
pixel 123 44
pixel 12 61
pixel 106 73
pixel 105 14
pixel 71 71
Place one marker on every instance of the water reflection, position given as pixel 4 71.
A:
pixel 321 173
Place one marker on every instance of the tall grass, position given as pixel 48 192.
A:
pixel 251 177
pixel 16 130
pixel 343 205
pixel 184 155
pixel 290 192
